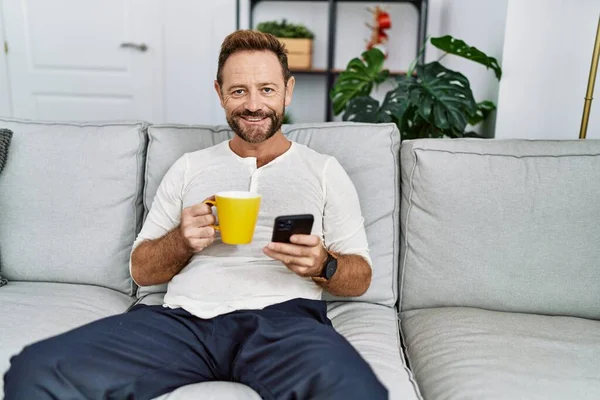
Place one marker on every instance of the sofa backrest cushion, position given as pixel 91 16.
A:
pixel 370 155
pixel 71 202
pixel 510 225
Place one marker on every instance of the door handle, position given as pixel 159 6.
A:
pixel 140 47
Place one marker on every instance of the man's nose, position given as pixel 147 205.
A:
pixel 253 102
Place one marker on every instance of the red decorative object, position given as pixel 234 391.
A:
pixel 379 38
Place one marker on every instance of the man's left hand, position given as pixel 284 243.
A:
pixel 305 255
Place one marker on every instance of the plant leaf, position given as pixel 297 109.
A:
pixel 443 97
pixel 484 109
pixel 396 101
pixel 358 79
pixel 392 109
pixel 362 109
pixel 460 48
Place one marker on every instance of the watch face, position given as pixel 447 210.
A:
pixel 330 269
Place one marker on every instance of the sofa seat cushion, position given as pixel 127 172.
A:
pixel 468 353
pixel 32 311
pixel 212 391
pixel 373 331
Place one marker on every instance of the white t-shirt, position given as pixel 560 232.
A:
pixel 224 278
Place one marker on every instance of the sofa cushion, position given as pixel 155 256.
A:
pixel 466 353
pixel 506 225
pixel 32 311
pixel 70 202
pixel 212 391
pixel 368 153
pixel 373 331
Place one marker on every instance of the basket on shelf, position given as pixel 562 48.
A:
pixel 299 52
pixel 298 41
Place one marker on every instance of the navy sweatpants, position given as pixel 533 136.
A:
pixel 285 351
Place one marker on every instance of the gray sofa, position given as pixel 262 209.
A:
pixel 486 253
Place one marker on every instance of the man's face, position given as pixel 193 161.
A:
pixel 254 94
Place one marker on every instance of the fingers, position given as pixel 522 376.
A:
pixel 196 226
pixel 198 210
pixel 200 244
pixel 302 260
pixel 304 256
pixel 198 239
pixel 288 259
pixel 306 240
pixel 196 220
pixel 303 266
pixel 198 233
pixel 290 249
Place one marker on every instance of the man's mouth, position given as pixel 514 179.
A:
pixel 253 119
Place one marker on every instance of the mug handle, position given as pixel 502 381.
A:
pixel 212 203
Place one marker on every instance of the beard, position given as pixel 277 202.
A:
pixel 256 134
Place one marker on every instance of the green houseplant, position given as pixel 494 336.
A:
pixel 284 29
pixel 430 101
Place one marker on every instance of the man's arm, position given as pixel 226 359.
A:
pixel 306 256
pixel 159 260
pixel 343 234
pixel 352 277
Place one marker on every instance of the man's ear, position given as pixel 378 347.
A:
pixel 289 90
pixel 219 93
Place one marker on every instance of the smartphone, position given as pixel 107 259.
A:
pixel 288 225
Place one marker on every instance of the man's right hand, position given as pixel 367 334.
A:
pixel 195 226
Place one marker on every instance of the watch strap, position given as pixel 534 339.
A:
pixel 331 256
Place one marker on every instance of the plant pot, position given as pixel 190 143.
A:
pixel 299 53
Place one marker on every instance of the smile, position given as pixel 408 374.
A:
pixel 254 119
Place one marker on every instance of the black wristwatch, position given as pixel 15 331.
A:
pixel 330 267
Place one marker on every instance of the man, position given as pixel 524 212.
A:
pixel 246 313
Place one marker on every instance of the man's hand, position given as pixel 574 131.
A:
pixel 195 226
pixel 305 255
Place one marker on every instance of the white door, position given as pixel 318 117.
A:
pixel 84 60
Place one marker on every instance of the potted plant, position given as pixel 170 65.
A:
pixel 297 39
pixel 430 101
pixel 287 118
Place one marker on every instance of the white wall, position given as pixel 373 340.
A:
pixel 5 109
pixel 194 31
pixel 480 23
pixel 547 54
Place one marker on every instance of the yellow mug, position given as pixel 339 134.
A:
pixel 237 213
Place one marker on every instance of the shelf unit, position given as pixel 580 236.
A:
pixel 330 72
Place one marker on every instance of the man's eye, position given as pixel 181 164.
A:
pixel 239 92
pixel 268 90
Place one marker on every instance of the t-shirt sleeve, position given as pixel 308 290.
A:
pixel 343 223
pixel 165 213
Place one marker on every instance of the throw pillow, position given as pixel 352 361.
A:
pixel 5 137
